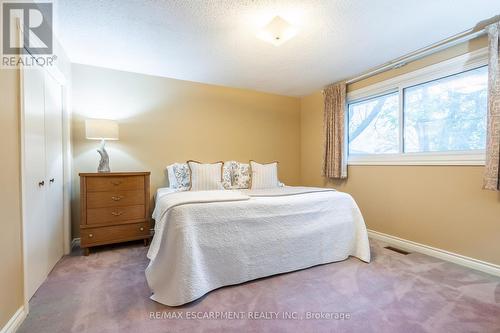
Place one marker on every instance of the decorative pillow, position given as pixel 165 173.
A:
pixel 241 175
pixel 182 176
pixel 264 175
pixel 205 177
pixel 172 181
pixel 227 174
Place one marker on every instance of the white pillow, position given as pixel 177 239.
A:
pixel 264 175
pixel 205 177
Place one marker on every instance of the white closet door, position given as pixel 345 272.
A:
pixel 34 182
pixel 54 170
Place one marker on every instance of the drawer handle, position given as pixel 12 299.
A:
pixel 116 182
pixel 116 213
pixel 118 198
pixel 141 228
pixel 91 235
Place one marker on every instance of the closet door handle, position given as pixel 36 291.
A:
pixel 41 183
pixel 52 180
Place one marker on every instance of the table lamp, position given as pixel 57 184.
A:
pixel 101 129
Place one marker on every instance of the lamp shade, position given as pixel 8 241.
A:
pixel 101 129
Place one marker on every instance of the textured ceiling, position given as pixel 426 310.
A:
pixel 213 41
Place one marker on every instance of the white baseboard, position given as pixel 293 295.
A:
pixel 459 259
pixel 75 242
pixel 15 321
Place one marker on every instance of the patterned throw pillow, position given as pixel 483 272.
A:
pixel 182 176
pixel 241 175
pixel 227 174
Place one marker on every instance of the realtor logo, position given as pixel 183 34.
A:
pixel 35 21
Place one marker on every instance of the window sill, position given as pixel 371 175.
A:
pixel 419 159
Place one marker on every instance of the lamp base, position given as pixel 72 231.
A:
pixel 104 162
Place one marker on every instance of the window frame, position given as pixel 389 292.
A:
pixel 450 67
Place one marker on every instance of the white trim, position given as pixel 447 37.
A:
pixel 15 321
pixel 401 117
pixel 23 175
pixel 67 167
pixel 438 158
pixel 441 69
pixel 455 258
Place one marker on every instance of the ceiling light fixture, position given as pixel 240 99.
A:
pixel 277 31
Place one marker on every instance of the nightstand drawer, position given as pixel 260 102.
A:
pixel 112 234
pixel 114 183
pixel 115 199
pixel 115 214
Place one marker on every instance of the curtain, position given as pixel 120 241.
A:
pixel 335 155
pixel 491 174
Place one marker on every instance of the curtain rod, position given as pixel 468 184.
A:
pixel 464 36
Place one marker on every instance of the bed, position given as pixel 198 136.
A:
pixel 205 240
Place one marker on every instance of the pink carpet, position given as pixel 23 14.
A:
pixel 107 292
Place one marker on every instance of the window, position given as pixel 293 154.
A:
pixel 373 125
pixel 447 114
pixel 435 115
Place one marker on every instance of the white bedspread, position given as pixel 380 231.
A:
pixel 284 191
pixel 202 243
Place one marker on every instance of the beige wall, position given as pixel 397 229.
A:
pixel 440 206
pixel 11 273
pixel 165 120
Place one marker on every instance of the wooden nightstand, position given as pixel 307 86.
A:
pixel 114 208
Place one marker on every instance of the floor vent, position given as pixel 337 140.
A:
pixel 397 250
